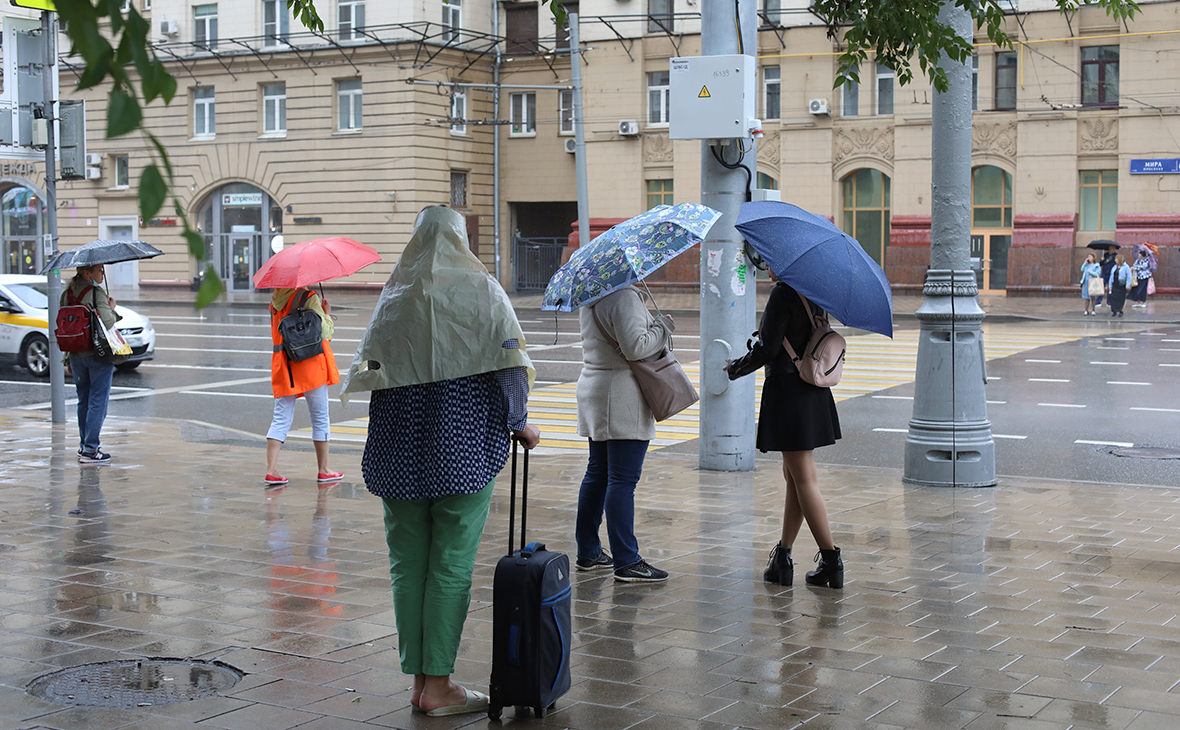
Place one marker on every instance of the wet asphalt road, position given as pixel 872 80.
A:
pixel 1056 411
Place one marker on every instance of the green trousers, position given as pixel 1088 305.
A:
pixel 432 546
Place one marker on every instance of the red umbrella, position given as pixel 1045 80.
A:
pixel 314 261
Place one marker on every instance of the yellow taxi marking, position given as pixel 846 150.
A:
pixel 23 320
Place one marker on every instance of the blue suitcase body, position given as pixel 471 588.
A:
pixel 530 620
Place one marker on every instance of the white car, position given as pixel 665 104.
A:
pixel 24 326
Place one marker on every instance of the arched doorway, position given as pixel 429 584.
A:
pixel 866 211
pixel 238 221
pixel 22 222
pixel 991 228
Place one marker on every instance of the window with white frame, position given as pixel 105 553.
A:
pixel 274 109
pixel 523 115
pixel 772 13
pixel 350 20
pixel 147 4
pixel 458 111
pixel 850 99
pixel 276 22
pixel 348 104
pixel 204 121
pixel 659 16
pixel 125 7
pixel 771 87
pixel 452 20
pixel 205 26
pixel 458 189
pixel 884 89
pixel 659 95
pixel 566 111
pixel 122 171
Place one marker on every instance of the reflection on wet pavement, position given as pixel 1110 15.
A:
pixel 1036 604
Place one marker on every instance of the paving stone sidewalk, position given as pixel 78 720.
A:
pixel 1037 604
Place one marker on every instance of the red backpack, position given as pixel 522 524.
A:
pixel 73 323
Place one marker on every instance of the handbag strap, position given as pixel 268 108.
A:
pixel 613 342
pixel 811 317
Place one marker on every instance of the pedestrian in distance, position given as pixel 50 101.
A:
pixel 795 418
pixel 1107 265
pixel 308 379
pixel 616 420
pixel 1090 270
pixel 1117 285
pixel 92 378
pixel 444 358
pixel 1142 270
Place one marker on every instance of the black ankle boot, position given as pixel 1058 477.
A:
pixel 829 572
pixel 780 569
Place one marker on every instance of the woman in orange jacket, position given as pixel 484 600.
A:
pixel 308 378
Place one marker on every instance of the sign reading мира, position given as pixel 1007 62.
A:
pixel 1156 167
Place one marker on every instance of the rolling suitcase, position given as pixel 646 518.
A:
pixel 530 618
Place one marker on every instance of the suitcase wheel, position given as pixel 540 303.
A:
pixel 538 712
pixel 494 712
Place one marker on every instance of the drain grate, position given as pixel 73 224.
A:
pixel 1148 452
pixel 131 683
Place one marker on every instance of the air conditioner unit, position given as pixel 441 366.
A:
pixel 571 145
pixel 169 28
pixel 629 128
pixel 93 173
pixel 818 106
pixel 93 159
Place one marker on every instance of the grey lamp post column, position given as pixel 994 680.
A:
pixel 727 295
pixel 950 441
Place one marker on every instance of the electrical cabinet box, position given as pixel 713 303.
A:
pixel 713 97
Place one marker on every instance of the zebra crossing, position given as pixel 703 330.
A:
pixel 874 363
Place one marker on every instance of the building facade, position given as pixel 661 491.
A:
pixel 277 131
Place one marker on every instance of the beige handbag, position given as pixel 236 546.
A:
pixel 662 381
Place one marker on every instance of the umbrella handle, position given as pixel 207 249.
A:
pixel 653 299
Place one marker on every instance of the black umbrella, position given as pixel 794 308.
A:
pixel 102 251
pixel 1103 244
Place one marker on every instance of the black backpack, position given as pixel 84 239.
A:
pixel 301 332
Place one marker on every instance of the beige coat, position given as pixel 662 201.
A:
pixel 610 405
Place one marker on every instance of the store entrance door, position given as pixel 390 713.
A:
pixel 989 259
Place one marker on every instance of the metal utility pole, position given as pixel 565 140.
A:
pixel 950 441
pixel 579 134
pixel 57 373
pixel 728 286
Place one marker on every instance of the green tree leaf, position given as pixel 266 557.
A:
pixel 152 192
pixel 197 247
pixel 123 113
pixel 210 288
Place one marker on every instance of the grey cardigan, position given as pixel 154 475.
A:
pixel 610 404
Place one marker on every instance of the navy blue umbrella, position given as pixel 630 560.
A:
pixel 823 263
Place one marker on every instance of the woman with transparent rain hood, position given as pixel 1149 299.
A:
pixel 444 358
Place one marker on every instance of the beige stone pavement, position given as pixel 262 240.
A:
pixel 1036 604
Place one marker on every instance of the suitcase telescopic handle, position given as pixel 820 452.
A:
pixel 524 498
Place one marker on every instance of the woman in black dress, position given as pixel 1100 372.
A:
pixel 795 418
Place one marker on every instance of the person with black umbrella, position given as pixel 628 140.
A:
pixel 92 378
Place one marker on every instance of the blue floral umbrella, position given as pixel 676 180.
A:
pixel 627 253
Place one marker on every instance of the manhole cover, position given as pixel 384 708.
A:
pixel 133 683
pixel 1148 452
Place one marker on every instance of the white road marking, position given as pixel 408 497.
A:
pixel 1048 380
pixel 1048 361
pixel 1169 340
pixel 998 402
pixel 1124 382
pixel 1118 339
pixel 1104 362
pixel 141 393
pixel 1101 347
pixel 1007 436
pixel 1123 444
pixel 229 395
pixel 892 430
pixel 154 365
pixel 894 397
pixel 1159 410
pixel 1062 405
pixel 1170 364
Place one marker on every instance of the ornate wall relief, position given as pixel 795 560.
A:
pixel 1099 134
pixel 769 149
pixel 997 139
pixel 875 142
pixel 657 148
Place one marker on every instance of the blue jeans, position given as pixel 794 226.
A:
pixel 92 379
pixel 609 487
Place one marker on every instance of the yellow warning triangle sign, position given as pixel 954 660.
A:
pixel 704 93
